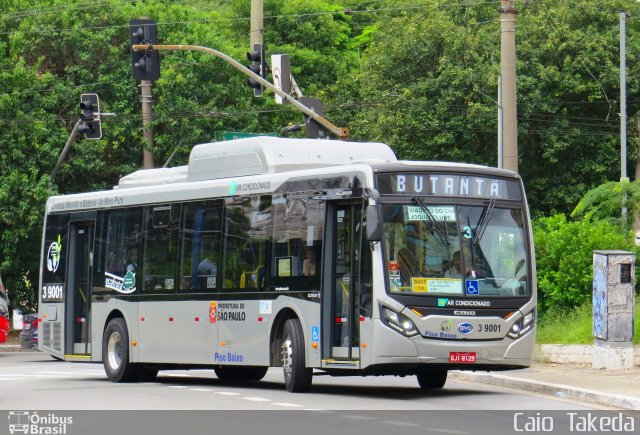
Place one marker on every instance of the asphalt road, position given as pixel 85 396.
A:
pixel 33 381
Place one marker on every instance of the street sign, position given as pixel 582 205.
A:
pixel 281 73
pixel 232 135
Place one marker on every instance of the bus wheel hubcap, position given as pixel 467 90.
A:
pixel 287 356
pixel 114 350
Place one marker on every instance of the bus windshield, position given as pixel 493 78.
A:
pixel 458 250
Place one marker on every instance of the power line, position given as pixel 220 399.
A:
pixel 42 11
pixel 218 19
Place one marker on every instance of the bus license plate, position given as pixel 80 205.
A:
pixel 462 357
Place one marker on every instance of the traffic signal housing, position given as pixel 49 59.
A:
pixel 91 123
pixel 315 130
pixel 259 66
pixel 145 63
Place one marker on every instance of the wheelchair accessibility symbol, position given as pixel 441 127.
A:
pixel 315 333
pixel 471 287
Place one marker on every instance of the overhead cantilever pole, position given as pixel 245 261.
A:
pixel 342 133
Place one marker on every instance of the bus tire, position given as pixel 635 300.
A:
pixel 297 377
pixel 115 353
pixel 234 374
pixel 431 379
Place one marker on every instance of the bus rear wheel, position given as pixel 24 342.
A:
pixel 297 377
pixel 115 353
pixel 431 379
pixel 229 374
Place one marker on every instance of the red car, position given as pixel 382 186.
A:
pixel 4 313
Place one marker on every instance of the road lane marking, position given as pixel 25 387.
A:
pixel 257 399
pixel 200 389
pixel 227 393
pixel 451 431
pixel 68 373
pixel 177 386
pixel 289 405
pixel 400 423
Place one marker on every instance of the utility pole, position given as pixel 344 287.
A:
pixel 145 65
pixel 500 142
pixel 147 115
pixel 508 73
pixel 256 32
pixel 623 97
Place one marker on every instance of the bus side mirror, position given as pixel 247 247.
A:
pixel 374 233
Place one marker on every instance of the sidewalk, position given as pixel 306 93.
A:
pixel 618 389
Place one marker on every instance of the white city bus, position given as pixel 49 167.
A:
pixel 313 255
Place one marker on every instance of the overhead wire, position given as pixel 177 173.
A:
pixel 267 17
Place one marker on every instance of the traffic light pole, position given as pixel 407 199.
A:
pixel 65 150
pixel 147 116
pixel 342 133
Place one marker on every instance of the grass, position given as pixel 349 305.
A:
pixel 574 326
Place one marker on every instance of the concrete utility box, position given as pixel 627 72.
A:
pixel 613 309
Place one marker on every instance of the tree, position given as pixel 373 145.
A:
pixel 607 201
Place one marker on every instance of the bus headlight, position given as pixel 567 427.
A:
pixel 522 326
pixel 398 322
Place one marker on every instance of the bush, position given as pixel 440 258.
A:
pixel 564 255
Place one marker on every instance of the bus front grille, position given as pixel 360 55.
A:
pixel 52 335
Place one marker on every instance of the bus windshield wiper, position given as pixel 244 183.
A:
pixel 433 224
pixel 484 221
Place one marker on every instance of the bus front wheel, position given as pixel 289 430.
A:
pixel 430 379
pixel 115 353
pixel 297 377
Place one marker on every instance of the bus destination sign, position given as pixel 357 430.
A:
pixel 458 186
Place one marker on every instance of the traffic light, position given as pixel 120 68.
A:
pixel 145 63
pixel 90 126
pixel 315 130
pixel 259 66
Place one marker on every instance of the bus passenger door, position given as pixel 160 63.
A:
pixel 341 295
pixel 78 298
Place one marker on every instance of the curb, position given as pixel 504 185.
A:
pixel 14 348
pixel 556 390
pixel 578 354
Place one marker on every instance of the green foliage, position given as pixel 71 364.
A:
pixel 607 200
pixel 566 325
pixel 574 326
pixel 564 256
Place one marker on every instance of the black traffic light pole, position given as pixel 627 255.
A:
pixel 65 150
pixel 342 133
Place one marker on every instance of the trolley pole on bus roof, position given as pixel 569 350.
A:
pixel 341 132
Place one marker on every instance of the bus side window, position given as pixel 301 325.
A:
pixel 200 235
pixel 160 248
pixel 297 242
pixel 122 244
pixel 247 229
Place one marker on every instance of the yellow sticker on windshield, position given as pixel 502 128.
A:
pixel 420 285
